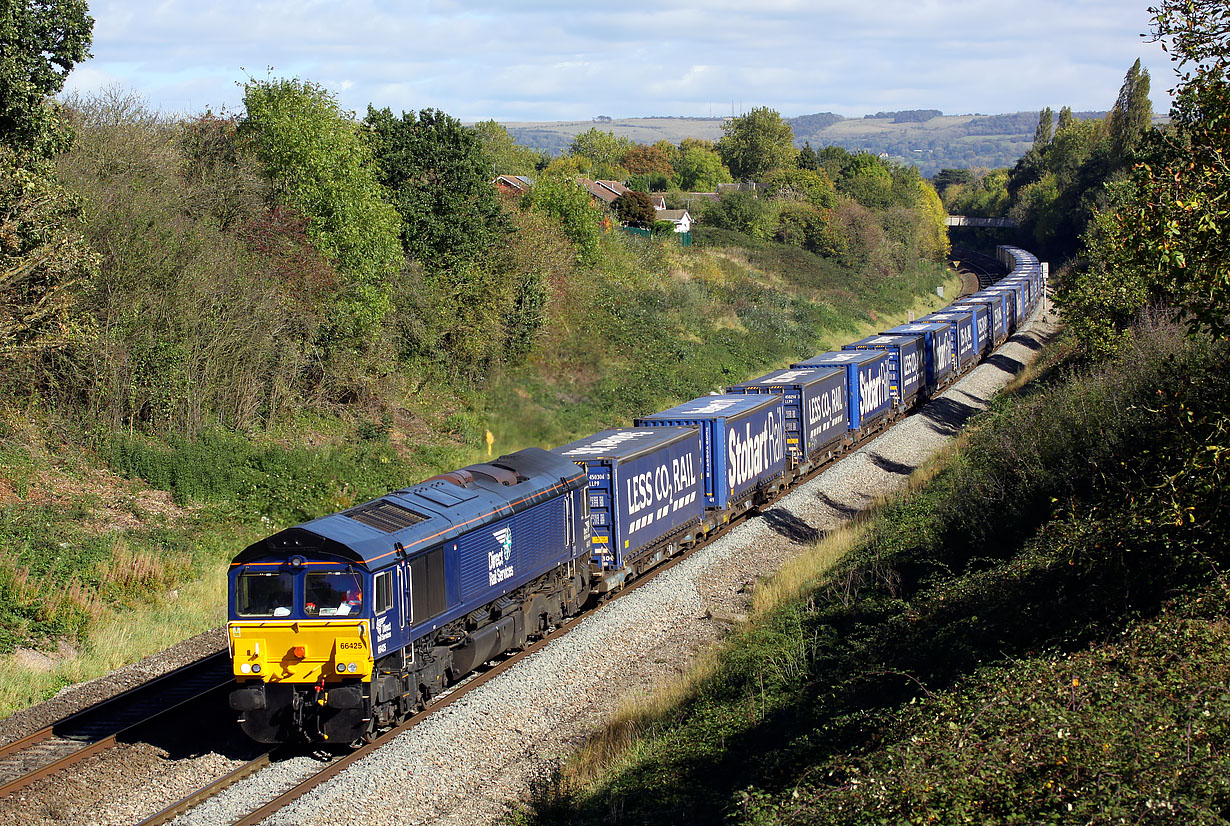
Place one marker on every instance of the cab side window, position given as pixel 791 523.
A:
pixel 384 591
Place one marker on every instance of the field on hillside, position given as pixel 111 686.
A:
pixel 945 141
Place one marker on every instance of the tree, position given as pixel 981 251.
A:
pixel 40 42
pixel 573 207
pixel 439 179
pixel 808 158
pixel 700 167
pixel 866 180
pixel 319 162
pixel 45 263
pixel 1132 115
pixel 952 177
pixel 757 142
pixel 507 156
pixel 1046 124
pixel 1173 229
pixel 635 208
pixel 603 148
pixel 644 160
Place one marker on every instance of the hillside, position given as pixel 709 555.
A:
pixel 946 141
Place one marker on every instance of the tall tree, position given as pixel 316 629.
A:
pixel 1132 114
pixel 1164 236
pixel 319 162
pixel 1046 124
pixel 440 181
pixel 40 42
pixel 756 143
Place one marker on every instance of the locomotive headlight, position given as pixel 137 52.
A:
pixel 256 668
pixel 341 668
pixel 245 668
pixel 351 667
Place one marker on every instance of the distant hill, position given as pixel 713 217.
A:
pixel 925 138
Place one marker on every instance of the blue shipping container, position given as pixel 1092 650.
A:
pixel 989 334
pixel 867 384
pixel 815 407
pixel 939 349
pixel 905 364
pixel 1014 300
pixel 644 485
pixel 962 318
pixel 1000 325
pixel 743 441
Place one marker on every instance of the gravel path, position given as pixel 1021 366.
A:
pixel 472 761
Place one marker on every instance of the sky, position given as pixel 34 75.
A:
pixel 548 60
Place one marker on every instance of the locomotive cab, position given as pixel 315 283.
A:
pixel 300 636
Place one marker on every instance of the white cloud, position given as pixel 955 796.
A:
pixel 550 59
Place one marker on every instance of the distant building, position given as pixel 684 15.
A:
pixel 681 218
pixel 604 191
pixel 513 184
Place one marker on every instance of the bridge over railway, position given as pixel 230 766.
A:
pixel 965 221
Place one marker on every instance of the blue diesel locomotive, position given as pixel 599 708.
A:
pixel 347 624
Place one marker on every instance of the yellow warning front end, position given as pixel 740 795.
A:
pixel 281 651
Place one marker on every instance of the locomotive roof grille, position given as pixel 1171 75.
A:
pixel 384 515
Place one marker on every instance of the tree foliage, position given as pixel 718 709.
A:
pixel 45 267
pixel 40 42
pixel 643 160
pixel 699 167
pixel 635 208
pixel 602 148
pixel 507 156
pixel 320 164
pixel 571 205
pixel 1132 115
pixel 756 143
pixel 439 179
pixel 1166 233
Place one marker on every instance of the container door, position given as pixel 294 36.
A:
pixel 602 517
pixel 793 408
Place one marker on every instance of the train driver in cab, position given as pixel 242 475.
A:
pixel 333 594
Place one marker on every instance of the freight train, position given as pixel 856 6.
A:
pixel 350 623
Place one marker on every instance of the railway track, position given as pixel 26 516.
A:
pixel 103 726
pixel 87 739
pixel 986 268
pixel 340 764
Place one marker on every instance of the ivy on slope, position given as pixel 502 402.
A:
pixel 1037 636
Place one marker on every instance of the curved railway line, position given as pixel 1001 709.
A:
pixel 986 268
